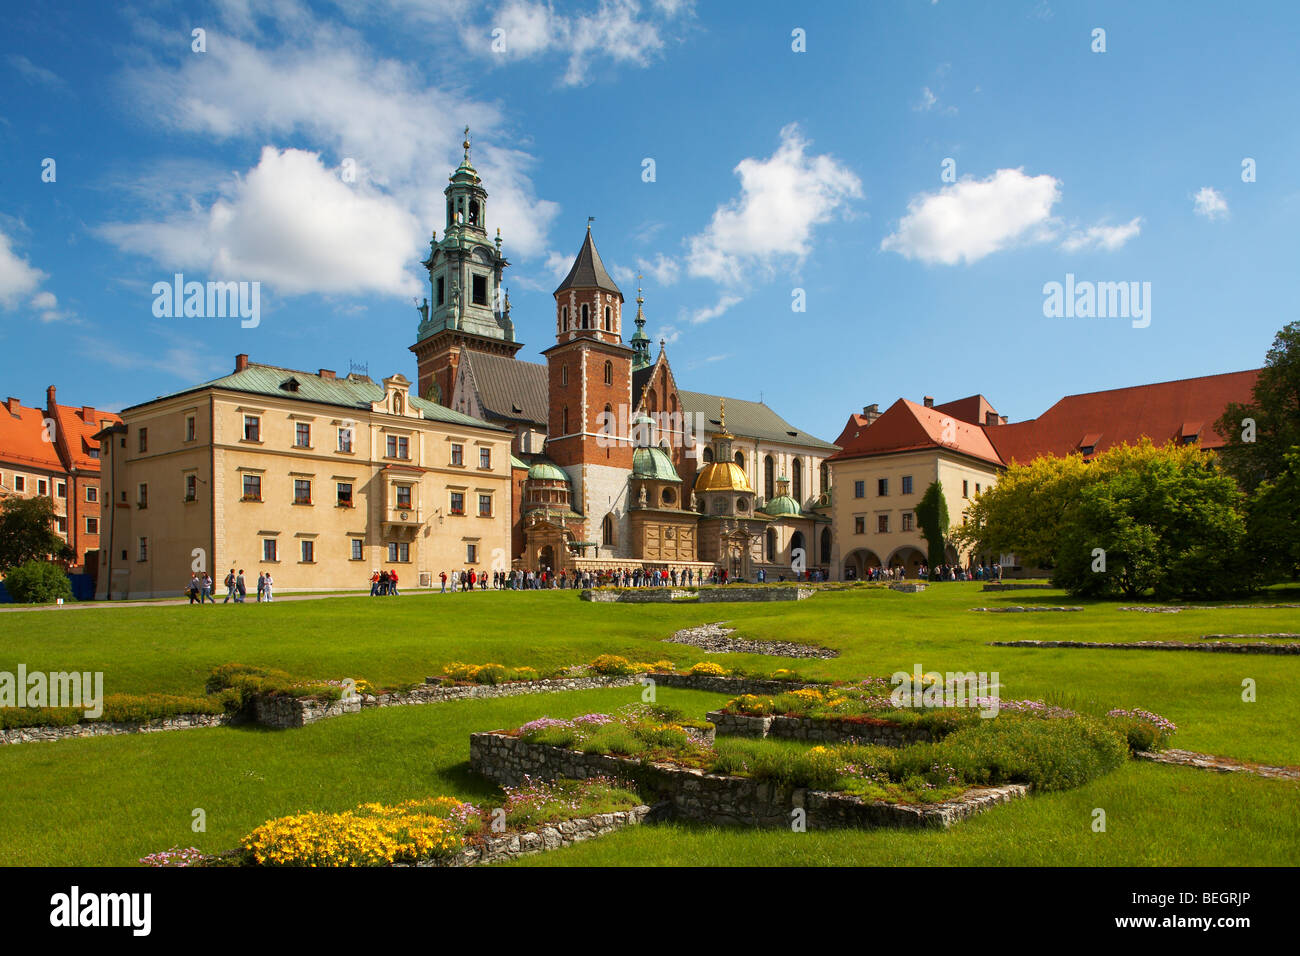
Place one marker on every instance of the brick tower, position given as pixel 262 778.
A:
pixel 590 374
pixel 468 308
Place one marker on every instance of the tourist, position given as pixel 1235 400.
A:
pixel 241 589
pixel 207 590
pixel 374 582
pixel 261 586
pixel 392 582
pixel 267 585
pixel 230 586
pixel 443 577
pixel 194 589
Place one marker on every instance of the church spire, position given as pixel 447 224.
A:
pixel 640 341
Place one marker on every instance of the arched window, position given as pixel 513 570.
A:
pixel 708 456
pixel 796 544
pixel 740 459
pixel 609 418
pixel 771 544
pixel 609 321
pixel 769 478
pixel 564 313
pixel 826 546
pixel 825 471
pixel 473 214
pixel 564 430
pixel 607 531
pixel 652 401
pixel 584 316
pixel 609 373
pixel 796 480
pixel 564 375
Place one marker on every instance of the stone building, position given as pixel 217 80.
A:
pixel 315 478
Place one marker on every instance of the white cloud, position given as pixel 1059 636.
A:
pixel 18 277
pixel 661 269
pixel 972 218
pixel 704 314
pixel 34 73
pixel 290 222
pixel 1209 202
pixel 928 100
pixel 782 198
pixel 1103 238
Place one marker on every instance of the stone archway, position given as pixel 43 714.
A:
pixel 858 561
pixel 545 557
pixel 908 558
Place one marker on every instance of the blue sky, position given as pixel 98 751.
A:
pixel 775 170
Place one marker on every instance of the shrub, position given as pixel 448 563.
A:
pixel 613 665
pixel 1142 729
pixel 707 669
pixel 38 582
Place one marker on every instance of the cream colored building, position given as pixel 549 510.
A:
pixel 315 478
pixel 880 475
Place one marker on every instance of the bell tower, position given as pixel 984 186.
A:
pixel 468 308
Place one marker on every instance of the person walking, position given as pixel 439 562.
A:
pixel 194 588
pixel 206 594
pixel 392 582
pixel 443 576
pixel 261 585
pixel 241 589
pixel 374 582
pixel 268 586
pixel 230 587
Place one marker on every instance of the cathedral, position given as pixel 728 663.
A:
pixel 613 464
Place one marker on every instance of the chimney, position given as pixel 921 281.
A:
pixel 990 418
pixel 929 401
pixel 1002 420
pixel 871 412
pixel 87 414
pixel 49 399
pixel 327 373
pixel 13 405
pixel 241 361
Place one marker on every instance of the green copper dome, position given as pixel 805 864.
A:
pixel 545 471
pixel 653 463
pixel 783 506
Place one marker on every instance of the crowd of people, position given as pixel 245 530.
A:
pixel 200 588
pixel 383 583
pixel 547 579
pixel 943 572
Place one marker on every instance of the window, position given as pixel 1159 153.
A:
pixel 343 490
pixel 859 525
pixel 564 429
pixel 42 486
pixel 586 323
pixel 142 496
pixel 142 549
pixel 458 502
pixel 977 488
pixel 345 438
pixel 302 491
pixel 882 524
pixel 92 494
pixel 308 551
pixel 485 457
pixel 144 439
pixel 439 295
pixel 859 489
pixel 609 373
pixel 399 552
pixel 907 521
pixel 189 428
pixel 399 446
pixel 607 531
pixel 403 497
pixel 252 487
pixel 796 479
pixel 479 291
pixel 93 453
pixel 20 483
pixel 882 487
pixel 609 321
pixel 471 553
pixel 564 375
pixel 269 550
pixel 61 489
pixel 907 484
pixel 357 554
pixel 965 488
pixel 302 435
pixel 61 524
pixel 707 456
pixel 485 506
pixel 740 459
pixel 252 428
pixel 771 544
pixel 92 526
pixel 191 487
pixel 564 319
pixel 769 471
pixel 457 454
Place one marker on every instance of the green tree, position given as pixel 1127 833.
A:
pixel 1256 454
pixel 1273 523
pixel 27 531
pixel 932 517
pixel 38 582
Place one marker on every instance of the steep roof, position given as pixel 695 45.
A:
pixel 907 426
pixel 747 420
pixel 1165 411
pixel 974 409
pixel 354 391
pixel 22 437
pixel 509 388
pixel 588 271
pixel 653 463
pixel 78 426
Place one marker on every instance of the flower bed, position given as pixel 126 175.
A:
pixel 436 831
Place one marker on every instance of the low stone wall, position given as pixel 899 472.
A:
pixel 880 734
pixel 717 799
pixel 1018 609
pixel 721 594
pixel 551 837
pixel 727 685
pixel 22 735
pixel 912 587
pixel 715 639
pixel 1015 586
pixel 1188 758
pixel 1220 647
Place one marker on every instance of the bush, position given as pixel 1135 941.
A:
pixel 707 669
pixel 1142 729
pixel 612 665
pixel 38 582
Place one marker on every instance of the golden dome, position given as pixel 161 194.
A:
pixel 722 476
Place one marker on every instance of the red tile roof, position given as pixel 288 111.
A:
pixel 1165 411
pixel 907 426
pixel 22 438
pixel 974 409
pixel 79 425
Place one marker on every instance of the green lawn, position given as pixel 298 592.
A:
pixel 112 800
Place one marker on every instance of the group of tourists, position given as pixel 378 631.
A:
pixel 383 583
pixel 545 579
pixel 200 588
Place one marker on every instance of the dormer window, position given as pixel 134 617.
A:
pixel 290 385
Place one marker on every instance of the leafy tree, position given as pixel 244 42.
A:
pixel 38 582
pixel 27 531
pixel 1273 522
pixel 1275 411
pixel 932 517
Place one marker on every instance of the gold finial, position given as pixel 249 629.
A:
pixel 723 415
pixel 466 143
pixel 639 297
